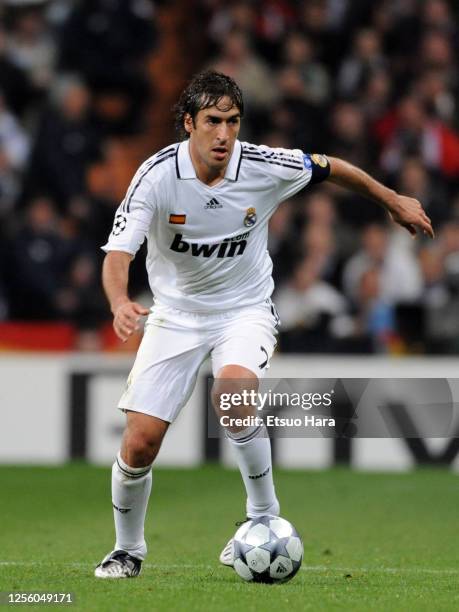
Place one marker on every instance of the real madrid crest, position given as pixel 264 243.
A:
pixel 250 217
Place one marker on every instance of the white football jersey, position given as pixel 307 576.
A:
pixel 207 246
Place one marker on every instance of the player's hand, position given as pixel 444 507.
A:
pixel 409 213
pixel 126 319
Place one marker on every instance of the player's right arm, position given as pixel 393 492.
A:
pixel 132 222
pixel 115 276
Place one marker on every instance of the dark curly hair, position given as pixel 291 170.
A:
pixel 205 90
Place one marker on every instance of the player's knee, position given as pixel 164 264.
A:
pixel 223 393
pixel 230 395
pixel 142 438
pixel 140 448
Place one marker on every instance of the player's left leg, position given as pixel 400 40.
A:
pixel 251 445
pixel 240 358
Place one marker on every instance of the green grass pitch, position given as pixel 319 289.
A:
pixel 384 542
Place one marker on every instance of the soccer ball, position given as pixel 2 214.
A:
pixel 267 549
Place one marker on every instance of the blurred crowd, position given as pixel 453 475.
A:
pixel 375 83
pixel 72 80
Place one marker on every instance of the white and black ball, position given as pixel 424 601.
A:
pixel 267 549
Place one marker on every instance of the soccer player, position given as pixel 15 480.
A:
pixel 204 205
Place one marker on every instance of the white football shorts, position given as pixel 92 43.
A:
pixel 176 343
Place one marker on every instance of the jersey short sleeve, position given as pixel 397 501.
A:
pixel 315 168
pixel 292 168
pixel 134 215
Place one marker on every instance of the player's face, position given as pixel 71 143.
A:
pixel 213 133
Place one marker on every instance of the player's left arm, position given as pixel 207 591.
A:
pixel 405 211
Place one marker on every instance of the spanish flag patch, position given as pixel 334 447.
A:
pixel 177 219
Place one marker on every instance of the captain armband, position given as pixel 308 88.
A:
pixel 319 166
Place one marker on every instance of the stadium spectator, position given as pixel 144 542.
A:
pixel 440 267
pixel 299 55
pixel 436 53
pixel 435 292
pixel 436 95
pixel 365 59
pixel 9 186
pixel 38 258
pixel 239 61
pixel 15 84
pixel 400 276
pixel 14 140
pixel 399 27
pixel 14 151
pixel 65 145
pixel 31 45
pixel 315 21
pixel 376 95
pixel 319 209
pixel 410 132
pixel 107 44
pixel 415 181
pixel 79 299
pixel 375 317
pixel 449 243
pixel 349 135
pixel 437 14
pixel 280 245
pixel 226 17
pixel 320 247
pixel 307 306
pixel 275 19
pixel 107 39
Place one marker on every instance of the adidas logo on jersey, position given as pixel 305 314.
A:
pixel 227 248
pixel 213 203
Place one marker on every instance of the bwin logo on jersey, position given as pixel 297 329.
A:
pixel 250 217
pixel 228 248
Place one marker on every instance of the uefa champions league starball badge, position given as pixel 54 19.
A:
pixel 119 224
pixel 250 217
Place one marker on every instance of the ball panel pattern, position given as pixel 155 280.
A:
pixel 257 535
pixel 258 559
pixel 280 527
pixel 294 548
pixel 281 568
pixel 267 549
pixel 242 570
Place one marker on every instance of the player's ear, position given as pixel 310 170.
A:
pixel 188 123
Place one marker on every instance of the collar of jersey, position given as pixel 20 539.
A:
pixel 185 168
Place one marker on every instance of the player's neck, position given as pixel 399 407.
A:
pixel 207 175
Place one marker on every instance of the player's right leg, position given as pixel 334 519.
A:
pixel 131 487
pixel 159 385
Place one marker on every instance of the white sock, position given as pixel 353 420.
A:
pixel 130 492
pixel 253 454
